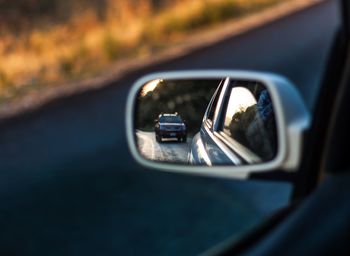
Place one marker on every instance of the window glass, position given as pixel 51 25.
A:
pixel 170 119
pixel 214 102
pixel 249 119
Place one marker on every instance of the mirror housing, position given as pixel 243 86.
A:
pixel 292 119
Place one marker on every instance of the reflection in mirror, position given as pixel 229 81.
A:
pixel 205 122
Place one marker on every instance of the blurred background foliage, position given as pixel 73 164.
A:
pixel 49 42
pixel 189 98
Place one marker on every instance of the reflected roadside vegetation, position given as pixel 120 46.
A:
pixel 188 98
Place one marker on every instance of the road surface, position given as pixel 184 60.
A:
pixel 169 150
pixel 68 184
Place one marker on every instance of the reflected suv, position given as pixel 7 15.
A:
pixel 170 126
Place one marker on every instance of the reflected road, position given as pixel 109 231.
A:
pixel 167 151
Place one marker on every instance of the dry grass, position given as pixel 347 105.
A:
pixel 85 44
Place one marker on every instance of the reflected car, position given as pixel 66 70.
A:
pixel 238 127
pixel 170 126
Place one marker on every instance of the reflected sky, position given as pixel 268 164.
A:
pixel 150 86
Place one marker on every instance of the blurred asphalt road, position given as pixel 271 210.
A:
pixel 68 185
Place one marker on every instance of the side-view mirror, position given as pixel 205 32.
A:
pixel 237 123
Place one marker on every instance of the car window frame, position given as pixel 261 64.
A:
pixel 313 169
pixel 213 104
pixel 219 109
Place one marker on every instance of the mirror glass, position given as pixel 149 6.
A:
pixel 205 122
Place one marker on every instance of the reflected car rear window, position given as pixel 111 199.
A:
pixel 170 119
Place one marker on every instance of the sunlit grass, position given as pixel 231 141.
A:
pixel 85 44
